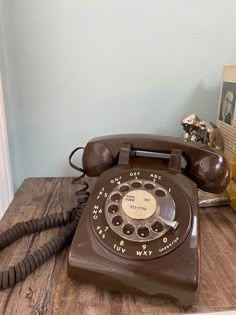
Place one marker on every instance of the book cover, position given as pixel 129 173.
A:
pixel 226 122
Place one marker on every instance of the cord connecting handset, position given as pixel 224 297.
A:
pixel 33 260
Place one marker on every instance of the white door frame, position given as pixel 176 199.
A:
pixel 6 188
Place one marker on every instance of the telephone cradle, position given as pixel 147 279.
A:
pixel 139 231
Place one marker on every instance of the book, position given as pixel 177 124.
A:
pixel 226 122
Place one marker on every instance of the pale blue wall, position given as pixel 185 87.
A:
pixel 79 69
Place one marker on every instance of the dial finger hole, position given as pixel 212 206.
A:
pixel 160 193
pixel 116 197
pixel 117 220
pixel 136 184
pixel 149 186
pixel 113 208
pixel 128 229
pixel 157 227
pixel 124 188
pixel 143 231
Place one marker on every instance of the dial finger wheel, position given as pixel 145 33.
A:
pixel 140 214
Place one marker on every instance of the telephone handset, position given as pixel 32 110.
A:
pixel 139 231
pixel 205 165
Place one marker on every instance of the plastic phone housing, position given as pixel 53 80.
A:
pixel 139 231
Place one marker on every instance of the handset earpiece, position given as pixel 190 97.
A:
pixel 97 158
pixel 210 172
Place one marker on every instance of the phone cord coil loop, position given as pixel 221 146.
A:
pixel 35 259
pixel 82 194
pixel 72 164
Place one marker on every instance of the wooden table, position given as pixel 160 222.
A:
pixel 50 291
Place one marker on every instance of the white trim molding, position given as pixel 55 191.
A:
pixel 6 188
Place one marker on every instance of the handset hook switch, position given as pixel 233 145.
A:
pixel 124 154
pixel 175 160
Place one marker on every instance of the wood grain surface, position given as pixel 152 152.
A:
pixel 50 291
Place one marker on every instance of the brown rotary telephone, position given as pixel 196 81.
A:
pixel 139 229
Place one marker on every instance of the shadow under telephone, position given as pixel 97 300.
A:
pixel 139 229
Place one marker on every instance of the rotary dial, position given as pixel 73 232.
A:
pixel 140 214
pixel 140 210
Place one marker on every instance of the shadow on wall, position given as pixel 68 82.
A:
pixel 202 99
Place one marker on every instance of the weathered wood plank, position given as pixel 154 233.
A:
pixel 50 291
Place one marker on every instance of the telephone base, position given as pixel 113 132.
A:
pixel 168 265
pixel 156 278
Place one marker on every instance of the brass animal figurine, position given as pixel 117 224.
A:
pixel 204 131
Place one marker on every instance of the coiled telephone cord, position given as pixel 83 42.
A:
pixel 35 259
